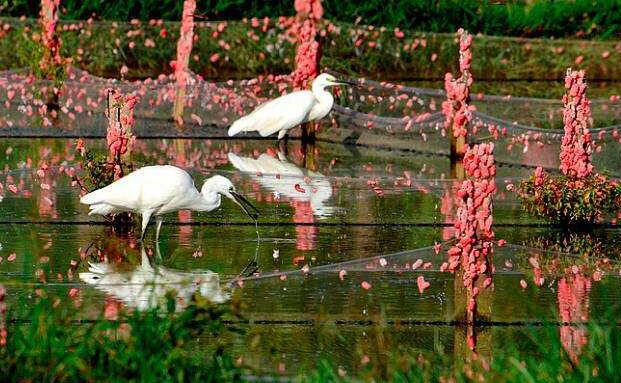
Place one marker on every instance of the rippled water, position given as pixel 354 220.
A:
pixel 329 222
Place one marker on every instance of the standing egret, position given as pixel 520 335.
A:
pixel 157 190
pixel 288 111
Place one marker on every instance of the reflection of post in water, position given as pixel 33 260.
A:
pixel 306 231
pixel 3 332
pixel 308 133
pixel 469 336
pixel 180 157
pixel 308 154
pixel 573 306
pixel 185 229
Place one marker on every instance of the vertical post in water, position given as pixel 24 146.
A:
pixel 120 137
pixel 51 61
pixel 471 257
pixel 308 54
pixel 120 115
pixel 184 49
pixel 456 108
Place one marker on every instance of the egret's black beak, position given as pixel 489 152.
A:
pixel 347 82
pixel 246 206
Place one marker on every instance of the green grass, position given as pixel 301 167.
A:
pixel 47 342
pixel 539 358
pixel 103 49
pixel 562 18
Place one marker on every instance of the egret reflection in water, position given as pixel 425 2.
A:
pixel 288 180
pixel 146 286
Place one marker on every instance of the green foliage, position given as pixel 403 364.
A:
pixel 569 201
pixel 27 52
pixel 152 346
pixel 563 18
pixel 98 171
pixel 545 360
pixel 103 49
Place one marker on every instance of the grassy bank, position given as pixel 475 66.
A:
pixel 242 49
pixel 48 341
pixel 565 18
pixel 547 361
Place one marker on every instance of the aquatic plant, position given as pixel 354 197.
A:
pixel 578 196
pixel 566 18
pixel 569 201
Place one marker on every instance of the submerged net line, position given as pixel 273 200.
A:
pixel 425 259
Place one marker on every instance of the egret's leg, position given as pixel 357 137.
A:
pixel 158 220
pixel 144 259
pixel 146 216
pixel 282 141
pixel 158 254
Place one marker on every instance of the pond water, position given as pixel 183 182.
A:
pixel 342 238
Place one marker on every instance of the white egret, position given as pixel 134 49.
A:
pixel 157 190
pixel 288 111
pixel 286 179
pixel 146 286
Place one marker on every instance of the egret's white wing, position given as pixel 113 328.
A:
pixel 147 188
pixel 281 113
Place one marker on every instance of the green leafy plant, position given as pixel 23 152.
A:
pixel 569 201
pixel 49 341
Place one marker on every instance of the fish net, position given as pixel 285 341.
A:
pixel 377 114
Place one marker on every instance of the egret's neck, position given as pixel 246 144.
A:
pixel 320 92
pixel 206 201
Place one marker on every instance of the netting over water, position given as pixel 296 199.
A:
pixel 373 114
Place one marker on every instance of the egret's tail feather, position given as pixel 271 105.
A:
pixel 239 126
pixel 92 197
pixel 236 161
pixel 101 209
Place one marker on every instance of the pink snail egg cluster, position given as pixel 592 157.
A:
pixel 576 145
pixel 455 108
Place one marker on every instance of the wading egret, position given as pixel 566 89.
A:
pixel 285 179
pixel 288 111
pixel 157 190
pixel 147 286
